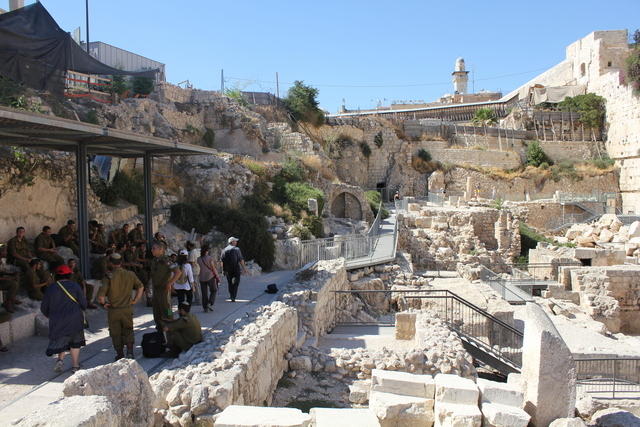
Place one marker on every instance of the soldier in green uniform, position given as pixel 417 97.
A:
pixel 98 240
pixel 69 236
pixel 136 236
pixel 163 276
pixel 115 295
pixel 18 252
pixel 119 236
pixel 36 279
pixel 183 332
pixel 9 280
pixel 77 277
pixel 46 248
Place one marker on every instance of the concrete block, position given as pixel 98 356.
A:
pixel 455 389
pixel 405 326
pixel 516 381
pixel 500 393
pixel 343 417
pixel 257 416
pixel 396 410
pixel 496 415
pixel 568 422
pixel 403 383
pixel 359 392
pixel 457 415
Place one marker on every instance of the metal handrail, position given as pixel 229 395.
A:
pixel 609 375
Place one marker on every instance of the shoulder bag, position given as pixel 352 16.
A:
pixel 85 322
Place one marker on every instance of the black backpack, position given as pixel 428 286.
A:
pixel 152 344
pixel 228 260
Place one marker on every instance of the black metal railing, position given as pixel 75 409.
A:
pixel 615 378
pixel 473 324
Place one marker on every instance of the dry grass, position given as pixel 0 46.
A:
pixel 424 167
pixel 271 113
pixel 281 212
pixel 257 167
pixel 322 166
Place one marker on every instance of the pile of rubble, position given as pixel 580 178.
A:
pixel 608 229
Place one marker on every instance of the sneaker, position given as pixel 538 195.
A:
pixel 206 309
pixel 75 369
pixel 59 366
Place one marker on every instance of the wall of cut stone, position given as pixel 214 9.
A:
pixel 482 158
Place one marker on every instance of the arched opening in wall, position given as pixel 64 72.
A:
pixel 383 190
pixel 583 69
pixel 346 205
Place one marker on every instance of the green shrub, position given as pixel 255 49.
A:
pixel 378 139
pixel 124 186
pixel 314 225
pixel 209 138
pixel 498 204
pixel 142 85
pixel 374 198
pixel 92 117
pixel 632 67
pixel 10 90
pixel 247 223
pixel 366 150
pixel 236 95
pixel 544 166
pixel 297 194
pixel 484 117
pixel 424 155
pixel 529 239
pixel 302 104
pixel 536 155
pixel 119 85
pixel 602 163
pixel 590 106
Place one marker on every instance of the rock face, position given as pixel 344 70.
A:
pixel 547 395
pixel 614 417
pixel 124 383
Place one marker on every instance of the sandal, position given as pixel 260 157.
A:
pixel 59 366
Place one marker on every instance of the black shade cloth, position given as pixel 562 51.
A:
pixel 34 50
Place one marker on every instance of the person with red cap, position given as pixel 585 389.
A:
pixel 64 304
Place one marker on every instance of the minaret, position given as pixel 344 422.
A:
pixel 460 77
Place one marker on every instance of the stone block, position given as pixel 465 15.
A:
pixel 405 326
pixel 500 393
pixel 396 410
pixel 403 383
pixel 634 229
pixel 457 415
pixel 359 391
pixel 568 422
pixel 300 363
pixel 77 411
pixel 343 417
pixel 258 416
pixel 515 380
pixel 455 389
pixel 124 383
pixel 497 415
pixel 547 395
pixel 614 417
pixel 423 222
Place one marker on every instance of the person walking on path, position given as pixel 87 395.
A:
pixel 192 257
pixel 184 285
pixel 115 295
pixel 183 332
pixel 209 279
pixel 63 305
pixel 163 275
pixel 232 265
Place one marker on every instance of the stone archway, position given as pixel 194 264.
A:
pixel 346 205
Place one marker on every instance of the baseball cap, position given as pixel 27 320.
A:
pixel 233 239
pixel 116 256
pixel 63 270
pixel 184 252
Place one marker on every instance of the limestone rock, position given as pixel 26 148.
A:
pixel 300 363
pixel 455 389
pixel 614 417
pixel 568 422
pixel 124 383
pixel 634 230
pixel 343 417
pixel 500 393
pixel 605 236
pixel 257 416
pixel 497 415
pixel 359 392
pixel 77 411
pixel 397 410
pixel 586 406
pixel 457 414
pixel 403 383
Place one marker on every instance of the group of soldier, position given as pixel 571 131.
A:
pixel 123 265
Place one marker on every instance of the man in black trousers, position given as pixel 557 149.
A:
pixel 232 265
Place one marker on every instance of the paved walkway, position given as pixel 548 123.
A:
pixel 27 380
pixel 385 248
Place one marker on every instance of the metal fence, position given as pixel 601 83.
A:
pixel 614 378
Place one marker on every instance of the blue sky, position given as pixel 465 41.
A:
pixel 401 50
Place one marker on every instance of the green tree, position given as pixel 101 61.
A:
pixel 590 106
pixel 119 85
pixel 632 65
pixel 142 85
pixel 536 155
pixel 484 117
pixel 302 104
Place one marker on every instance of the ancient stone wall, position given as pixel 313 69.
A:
pixel 482 158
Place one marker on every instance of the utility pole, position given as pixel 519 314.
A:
pixel 221 81
pixel 87 16
pixel 277 89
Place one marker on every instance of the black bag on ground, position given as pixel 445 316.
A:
pixel 271 288
pixel 152 344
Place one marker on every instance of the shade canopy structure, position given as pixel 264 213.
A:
pixel 34 130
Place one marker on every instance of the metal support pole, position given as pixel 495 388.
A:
pixel 87 17
pixel 148 199
pixel 82 179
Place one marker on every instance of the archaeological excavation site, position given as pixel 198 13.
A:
pixel 236 258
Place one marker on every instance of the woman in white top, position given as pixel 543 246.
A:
pixel 184 285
